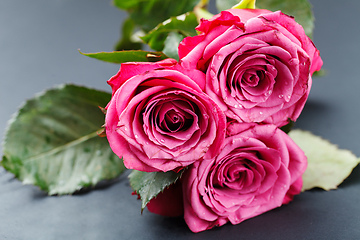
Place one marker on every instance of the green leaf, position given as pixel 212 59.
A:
pixel 149 184
pixel 322 72
pixel 328 166
pixel 300 9
pixel 202 13
pixel 127 56
pixel 149 13
pixel 222 5
pixel 243 4
pixel 171 45
pixel 125 4
pixel 184 24
pixel 52 141
pixel 126 42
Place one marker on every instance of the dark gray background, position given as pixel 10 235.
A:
pixel 38 49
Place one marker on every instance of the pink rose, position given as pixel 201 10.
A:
pixel 258 64
pixel 159 119
pixel 259 168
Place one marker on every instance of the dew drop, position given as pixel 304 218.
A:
pixel 281 96
pixel 125 128
pixel 136 136
pixel 206 116
pixel 261 113
pixel 212 73
pixel 162 140
pixel 236 106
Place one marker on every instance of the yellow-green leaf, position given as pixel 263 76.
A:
pixel 245 4
pixel 328 166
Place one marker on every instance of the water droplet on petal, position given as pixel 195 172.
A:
pixel 236 106
pixel 281 96
pixel 261 113
pixel 162 140
pixel 212 73
pixel 136 136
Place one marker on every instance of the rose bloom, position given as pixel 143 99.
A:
pixel 258 64
pixel 159 119
pixel 258 169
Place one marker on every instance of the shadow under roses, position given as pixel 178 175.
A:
pixel 353 179
pixel 313 113
pixel 259 227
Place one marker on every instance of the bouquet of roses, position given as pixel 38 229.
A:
pixel 205 132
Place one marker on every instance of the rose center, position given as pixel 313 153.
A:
pixel 174 119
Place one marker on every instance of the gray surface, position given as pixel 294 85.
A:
pixel 38 49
